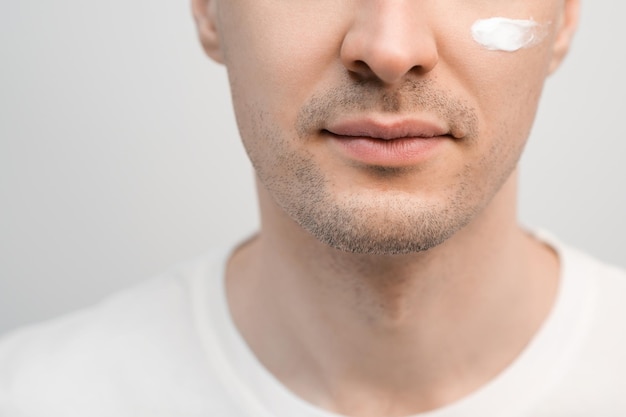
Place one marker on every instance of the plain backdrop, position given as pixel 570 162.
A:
pixel 119 154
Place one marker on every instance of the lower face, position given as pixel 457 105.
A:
pixel 291 90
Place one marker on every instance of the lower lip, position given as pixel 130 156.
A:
pixel 388 153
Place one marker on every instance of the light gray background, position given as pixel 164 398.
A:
pixel 119 154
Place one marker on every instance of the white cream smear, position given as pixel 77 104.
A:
pixel 502 34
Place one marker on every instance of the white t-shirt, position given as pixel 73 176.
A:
pixel 169 348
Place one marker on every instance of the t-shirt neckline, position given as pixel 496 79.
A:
pixel 514 392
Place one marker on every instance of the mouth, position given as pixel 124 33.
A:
pixel 388 129
pixel 388 143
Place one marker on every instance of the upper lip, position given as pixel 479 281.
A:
pixel 387 129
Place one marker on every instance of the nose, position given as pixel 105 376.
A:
pixel 387 40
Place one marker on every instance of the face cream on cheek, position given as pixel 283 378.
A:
pixel 502 34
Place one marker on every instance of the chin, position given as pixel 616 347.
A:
pixel 393 228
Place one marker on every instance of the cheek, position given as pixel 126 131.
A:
pixel 508 96
pixel 504 87
pixel 271 77
pixel 279 48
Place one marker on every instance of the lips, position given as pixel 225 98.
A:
pixel 388 143
pixel 387 130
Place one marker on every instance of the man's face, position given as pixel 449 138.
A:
pixel 382 126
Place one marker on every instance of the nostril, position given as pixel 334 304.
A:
pixel 360 70
pixel 360 64
pixel 361 67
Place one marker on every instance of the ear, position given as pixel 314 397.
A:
pixel 565 32
pixel 205 15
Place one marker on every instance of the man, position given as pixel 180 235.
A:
pixel 389 276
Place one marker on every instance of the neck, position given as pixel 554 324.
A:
pixel 354 332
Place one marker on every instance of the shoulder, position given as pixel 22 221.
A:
pixel 601 289
pixel 578 266
pixel 596 292
pixel 606 280
pixel 595 285
pixel 111 353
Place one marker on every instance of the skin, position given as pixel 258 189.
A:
pixel 403 287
